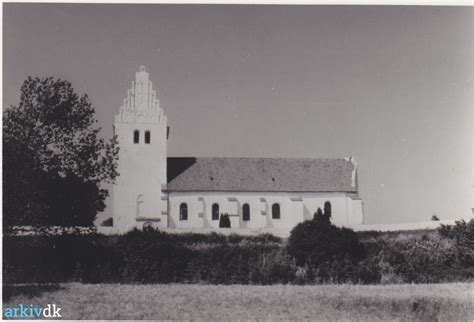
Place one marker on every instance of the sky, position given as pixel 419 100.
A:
pixel 391 86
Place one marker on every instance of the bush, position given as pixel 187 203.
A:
pixel 139 257
pixel 273 267
pixel 346 271
pixel 151 257
pixel 423 256
pixel 317 241
pixel 316 252
pixel 462 233
pixel 54 259
pixel 325 253
pixel 224 221
pixel 227 263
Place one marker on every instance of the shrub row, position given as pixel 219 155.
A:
pixel 156 257
pixel 139 257
pixel 445 255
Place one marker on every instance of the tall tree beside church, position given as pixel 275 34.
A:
pixel 54 163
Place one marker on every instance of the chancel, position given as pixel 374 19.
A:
pixel 193 193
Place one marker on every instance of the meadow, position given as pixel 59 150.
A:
pixel 405 302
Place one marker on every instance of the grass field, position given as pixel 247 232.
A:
pixel 435 302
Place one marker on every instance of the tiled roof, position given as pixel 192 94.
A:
pixel 261 174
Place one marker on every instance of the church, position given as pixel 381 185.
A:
pixel 192 193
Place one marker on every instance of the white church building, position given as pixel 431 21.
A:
pixel 190 194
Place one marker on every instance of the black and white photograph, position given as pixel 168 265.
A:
pixel 237 161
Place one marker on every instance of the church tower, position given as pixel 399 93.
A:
pixel 141 128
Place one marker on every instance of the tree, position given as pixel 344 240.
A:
pixel 55 163
pixel 224 221
pixel 319 216
pixel 327 209
pixel 318 213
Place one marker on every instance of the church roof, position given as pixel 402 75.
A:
pixel 261 174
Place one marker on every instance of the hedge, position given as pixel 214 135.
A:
pixel 138 257
pixel 151 256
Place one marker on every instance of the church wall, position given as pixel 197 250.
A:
pixel 294 208
pixel 356 209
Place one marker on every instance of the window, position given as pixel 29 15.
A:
pixel 215 212
pixel 140 201
pixel 276 211
pixel 147 137
pixel 183 211
pixel 246 212
pixel 136 136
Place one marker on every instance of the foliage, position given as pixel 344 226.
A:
pixel 193 239
pixel 462 234
pixel 461 231
pixel 224 221
pixel 327 209
pixel 50 258
pixel 151 257
pixel 156 257
pixel 274 267
pixel 344 270
pixel 318 213
pixel 139 257
pixel 317 241
pixel 54 160
pixel 422 260
pixel 228 264
pixel 445 255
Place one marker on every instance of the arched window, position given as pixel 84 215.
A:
pixel 140 201
pixel 147 137
pixel 276 211
pixel 327 208
pixel 246 212
pixel 183 211
pixel 136 136
pixel 215 212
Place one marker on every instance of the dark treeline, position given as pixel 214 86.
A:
pixel 332 255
